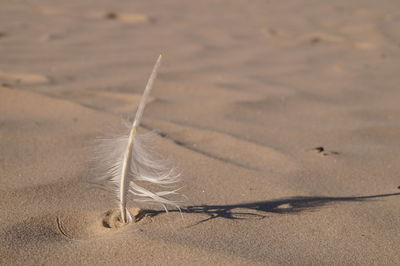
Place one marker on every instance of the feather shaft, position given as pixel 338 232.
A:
pixel 124 182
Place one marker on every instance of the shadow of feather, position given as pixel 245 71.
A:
pixel 260 209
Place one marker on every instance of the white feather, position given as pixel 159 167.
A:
pixel 124 162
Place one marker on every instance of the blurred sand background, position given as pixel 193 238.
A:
pixel 284 117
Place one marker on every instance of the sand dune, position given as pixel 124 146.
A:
pixel 282 116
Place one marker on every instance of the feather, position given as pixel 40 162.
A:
pixel 124 162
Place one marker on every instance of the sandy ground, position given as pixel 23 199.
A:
pixel 283 116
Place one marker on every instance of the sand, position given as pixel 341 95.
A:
pixel 283 116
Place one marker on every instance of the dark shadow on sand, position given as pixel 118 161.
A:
pixel 260 209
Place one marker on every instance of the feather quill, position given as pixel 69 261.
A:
pixel 125 161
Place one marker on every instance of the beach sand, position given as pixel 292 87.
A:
pixel 283 117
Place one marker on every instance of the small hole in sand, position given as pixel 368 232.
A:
pixel 319 149
pixel 6 85
pixel 111 15
pixel 112 218
pixel 325 152
pixel 162 134
pixel 315 40
pixel 178 142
